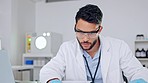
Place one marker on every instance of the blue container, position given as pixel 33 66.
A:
pixel 29 62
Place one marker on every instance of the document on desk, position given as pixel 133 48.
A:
pixel 76 81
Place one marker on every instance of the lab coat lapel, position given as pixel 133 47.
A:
pixel 105 58
pixel 80 60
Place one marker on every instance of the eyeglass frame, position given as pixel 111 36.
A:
pixel 88 33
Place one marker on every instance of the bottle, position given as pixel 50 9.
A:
pixel 147 53
pixel 137 37
pixel 138 52
pixel 143 53
pixel 142 36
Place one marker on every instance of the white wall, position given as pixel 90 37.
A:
pixel 5 24
pixel 123 19
pixel 25 23
pixel 16 18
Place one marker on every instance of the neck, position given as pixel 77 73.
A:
pixel 94 50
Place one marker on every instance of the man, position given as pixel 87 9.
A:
pixel 92 57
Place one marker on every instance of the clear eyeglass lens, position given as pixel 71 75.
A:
pixel 82 35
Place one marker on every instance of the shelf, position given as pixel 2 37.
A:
pixel 34 66
pixel 139 41
pixel 35 55
pixel 38 66
pixel 143 59
pixel 24 67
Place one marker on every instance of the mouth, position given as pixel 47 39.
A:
pixel 85 45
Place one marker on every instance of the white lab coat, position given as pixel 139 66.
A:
pixel 116 57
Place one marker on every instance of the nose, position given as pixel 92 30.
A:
pixel 86 37
pixel 86 34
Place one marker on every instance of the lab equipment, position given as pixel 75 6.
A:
pixel 138 53
pixel 143 53
pixel 28 42
pixel 147 53
pixel 29 62
pixel 140 37
pixel 44 43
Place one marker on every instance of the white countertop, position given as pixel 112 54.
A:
pixel 18 67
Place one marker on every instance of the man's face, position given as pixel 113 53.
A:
pixel 86 34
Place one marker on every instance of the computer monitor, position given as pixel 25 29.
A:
pixel 6 73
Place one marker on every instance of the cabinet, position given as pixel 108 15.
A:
pixel 36 61
pixel 141 44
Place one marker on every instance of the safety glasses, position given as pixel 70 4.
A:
pixel 82 34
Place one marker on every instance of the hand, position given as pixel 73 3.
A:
pixel 138 81
pixel 55 81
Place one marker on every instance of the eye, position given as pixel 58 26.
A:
pixel 91 33
pixel 80 32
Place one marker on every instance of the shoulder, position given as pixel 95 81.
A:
pixel 113 41
pixel 69 44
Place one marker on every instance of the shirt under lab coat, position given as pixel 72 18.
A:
pixel 116 57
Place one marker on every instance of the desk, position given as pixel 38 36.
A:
pixel 76 81
pixel 27 82
pixel 62 82
pixel 24 68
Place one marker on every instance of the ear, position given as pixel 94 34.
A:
pixel 100 29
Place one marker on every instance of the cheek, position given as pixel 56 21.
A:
pixel 80 40
pixel 94 38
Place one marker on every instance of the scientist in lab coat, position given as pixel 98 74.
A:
pixel 92 57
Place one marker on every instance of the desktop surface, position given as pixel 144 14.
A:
pixel 62 82
pixel 75 81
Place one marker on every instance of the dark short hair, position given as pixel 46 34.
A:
pixel 90 13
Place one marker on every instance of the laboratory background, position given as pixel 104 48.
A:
pixel 24 22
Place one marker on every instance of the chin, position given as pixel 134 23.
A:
pixel 86 48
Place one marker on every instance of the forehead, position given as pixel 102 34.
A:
pixel 85 26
